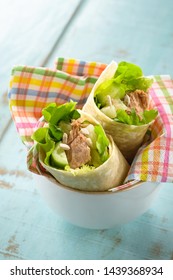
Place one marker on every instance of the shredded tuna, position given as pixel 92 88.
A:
pixel 138 100
pixel 76 126
pixel 79 153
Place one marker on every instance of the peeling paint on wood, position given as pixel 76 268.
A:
pixel 171 258
pixel 9 256
pixel 122 52
pixel 5 99
pixel 12 247
pixel 5 185
pixel 156 249
pixel 118 240
pixel 16 173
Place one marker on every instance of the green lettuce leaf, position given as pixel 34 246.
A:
pixel 44 142
pixel 40 134
pixel 102 142
pixel 53 113
pixel 48 111
pixel 55 132
pixel 133 119
pixel 150 115
pixel 128 77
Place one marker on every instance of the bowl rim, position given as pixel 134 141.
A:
pixel 108 192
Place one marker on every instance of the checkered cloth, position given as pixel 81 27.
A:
pixel 33 88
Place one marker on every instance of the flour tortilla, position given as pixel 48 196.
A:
pixel 110 174
pixel 127 137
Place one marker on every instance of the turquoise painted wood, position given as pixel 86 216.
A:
pixel 28 34
pixel 138 31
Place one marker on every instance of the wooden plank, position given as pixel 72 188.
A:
pixel 27 36
pixel 136 31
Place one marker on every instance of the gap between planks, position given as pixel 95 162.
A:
pixel 46 59
pixel 64 30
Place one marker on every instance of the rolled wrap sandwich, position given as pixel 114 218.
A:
pixel 74 148
pixel 120 102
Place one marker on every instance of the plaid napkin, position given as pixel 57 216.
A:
pixel 33 88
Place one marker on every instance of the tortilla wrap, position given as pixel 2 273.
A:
pixel 109 174
pixel 127 137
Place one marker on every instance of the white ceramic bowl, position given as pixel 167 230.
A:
pixel 97 210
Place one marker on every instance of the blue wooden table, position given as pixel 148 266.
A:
pixel 140 31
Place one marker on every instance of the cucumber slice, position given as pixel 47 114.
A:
pixel 58 157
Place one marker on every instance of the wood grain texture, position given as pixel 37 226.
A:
pixel 28 32
pixel 136 31
pixel 101 30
